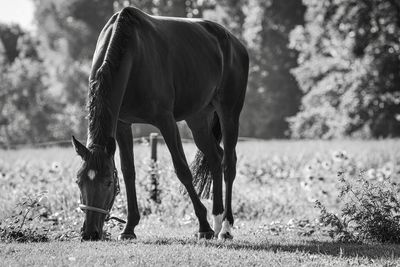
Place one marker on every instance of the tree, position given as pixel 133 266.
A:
pixel 272 94
pixel 349 69
pixel 68 33
pixel 9 36
pixel 26 108
pixel 174 8
pixel 69 29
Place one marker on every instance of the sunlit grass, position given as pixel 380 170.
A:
pixel 276 186
pixel 158 245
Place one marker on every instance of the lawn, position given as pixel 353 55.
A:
pixel 182 251
pixel 164 246
pixel 274 194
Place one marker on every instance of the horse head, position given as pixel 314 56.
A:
pixel 98 183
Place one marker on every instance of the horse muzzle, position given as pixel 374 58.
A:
pixel 93 226
pixel 91 236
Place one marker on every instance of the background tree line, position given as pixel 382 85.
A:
pixel 319 69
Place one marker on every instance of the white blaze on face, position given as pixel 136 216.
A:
pixel 91 174
pixel 217 223
pixel 226 228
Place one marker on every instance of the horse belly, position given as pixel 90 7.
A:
pixel 146 104
pixel 191 100
pixel 195 85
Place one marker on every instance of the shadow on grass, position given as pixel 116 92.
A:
pixel 378 251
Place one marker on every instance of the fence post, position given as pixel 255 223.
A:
pixel 154 192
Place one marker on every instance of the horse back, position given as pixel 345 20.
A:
pixel 177 64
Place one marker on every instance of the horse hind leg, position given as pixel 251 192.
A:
pixel 228 108
pixel 207 164
pixel 230 136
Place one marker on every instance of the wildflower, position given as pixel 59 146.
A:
pixel 326 165
pixel 371 173
pixel 55 166
pixel 380 176
pixel 305 186
pixel 311 199
pixel 291 222
pixel 259 172
pixel 387 169
pixel 308 169
pixel 340 155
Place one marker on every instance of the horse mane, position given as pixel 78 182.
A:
pixel 99 112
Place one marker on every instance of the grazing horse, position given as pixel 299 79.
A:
pixel 159 70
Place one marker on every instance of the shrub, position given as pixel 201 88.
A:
pixel 371 211
pixel 22 225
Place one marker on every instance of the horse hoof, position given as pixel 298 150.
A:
pixel 205 235
pixel 125 236
pixel 225 236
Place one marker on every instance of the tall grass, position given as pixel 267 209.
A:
pixel 276 180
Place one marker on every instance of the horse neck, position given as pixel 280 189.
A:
pixel 112 79
pixel 104 112
pixel 107 129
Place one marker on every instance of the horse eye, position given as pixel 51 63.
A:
pixel 108 183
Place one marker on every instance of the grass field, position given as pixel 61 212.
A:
pixel 274 194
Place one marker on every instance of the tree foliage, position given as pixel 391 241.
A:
pixel 9 37
pixel 349 69
pixel 26 107
pixel 68 33
pixel 332 67
pixel 273 92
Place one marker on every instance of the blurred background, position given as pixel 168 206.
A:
pixel 319 69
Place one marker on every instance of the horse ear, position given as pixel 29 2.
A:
pixel 80 149
pixel 110 147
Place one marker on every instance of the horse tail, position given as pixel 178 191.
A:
pixel 201 170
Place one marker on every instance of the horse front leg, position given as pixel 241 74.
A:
pixel 169 130
pixel 125 144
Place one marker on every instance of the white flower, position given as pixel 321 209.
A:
pixel 311 199
pixel 291 222
pixel 305 186
pixel 308 170
pixel 387 169
pixel 340 155
pixel 380 176
pixel 326 165
pixel 371 173
pixel 55 166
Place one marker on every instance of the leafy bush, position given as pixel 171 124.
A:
pixel 348 69
pixel 371 211
pixel 22 226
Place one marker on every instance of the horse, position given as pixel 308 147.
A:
pixel 160 70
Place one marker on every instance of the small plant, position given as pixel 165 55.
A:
pixel 371 211
pixel 22 225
